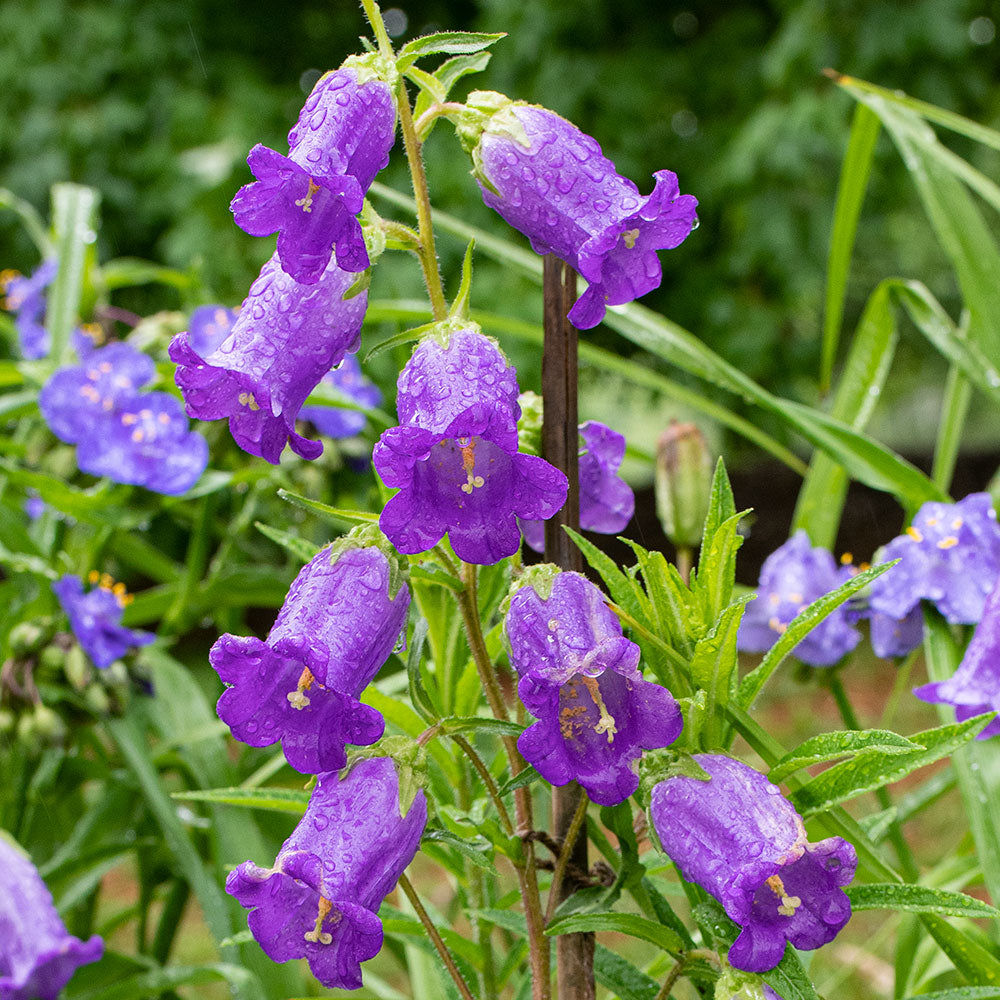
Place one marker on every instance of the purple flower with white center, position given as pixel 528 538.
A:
pixel 349 382
pixel 96 620
pixel 950 556
pixel 579 677
pixel 552 182
pixel 311 197
pixel 974 688
pixel 285 339
pixel 208 327
pixel 454 456
pixel 743 842
pixel 606 500
pixel 320 899
pixel 791 578
pixel 38 956
pixel 25 296
pixel 338 625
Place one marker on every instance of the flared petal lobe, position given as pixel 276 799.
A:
pixel 25 297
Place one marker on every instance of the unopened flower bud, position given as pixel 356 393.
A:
pixel 49 726
pixel 25 638
pixel 51 660
pixel 8 720
pixel 97 699
pixel 683 483
pixel 76 667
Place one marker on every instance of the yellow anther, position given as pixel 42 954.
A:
pixel 107 403
pixel 306 203
pixel 864 566
pixel 129 418
pixel 948 543
pixel 795 598
pixel 105 366
pixel 93 374
pixel 629 237
pixel 297 698
pixel 931 521
pixel 317 935
pixel 914 533
pixel 93 576
pixel 119 589
pixel 7 275
pixel 606 723
pixel 957 523
pixel 788 904
pixel 163 418
pixel 107 581
pixel 247 399
pixel 846 559
pixel 472 481
pixel 777 626
pixel 137 435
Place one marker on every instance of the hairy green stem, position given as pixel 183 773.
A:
pixel 565 851
pixel 487 779
pixel 374 16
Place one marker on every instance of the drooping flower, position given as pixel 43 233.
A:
pixel 579 677
pixel 739 839
pixel 950 556
pixel 792 577
pixel 892 637
pixel 95 617
pixel 551 181
pixel 38 956
pixel 25 296
pixel 454 454
pixel 339 623
pixel 320 899
pixel 311 197
pixel 208 327
pixel 975 686
pixel 285 339
pixel 606 500
pixel 349 382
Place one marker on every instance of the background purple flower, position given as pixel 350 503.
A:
pixel 25 296
pixel 319 900
pixel 208 327
pixel 892 637
pixel 791 578
pixel 739 839
pixel 348 381
pixel 38 956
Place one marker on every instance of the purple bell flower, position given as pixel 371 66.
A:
pixel 38 956
pixel 551 181
pixel 739 839
pixel 286 338
pixel 338 625
pixel 791 578
pixel 950 556
pixel 311 197
pixel 349 381
pixel 579 677
pixel 208 327
pixel 95 618
pixel 454 456
pixel 320 899
pixel 25 296
pixel 606 500
pixel 892 637
pixel 975 686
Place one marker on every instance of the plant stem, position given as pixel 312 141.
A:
pixel 432 933
pixel 436 111
pixel 374 16
pixel 684 563
pixel 469 605
pixel 672 976
pixel 487 779
pixel 564 854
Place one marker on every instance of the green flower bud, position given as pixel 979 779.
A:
pixel 8 720
pixel 97 699
pixel 77 667
pixel 683 483
pixel 49 726
pixel 25 638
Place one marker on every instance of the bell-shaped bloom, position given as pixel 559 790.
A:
pixel 743 842
pixel 285 339
pixel 348 381
pixel 25 296
pixel 552 182
pixel 38 956
pixel 320 899
pixel 579 677
pixel 974 688
pixel 208 327
pixel 791 578
pixel 454 454
pixel 892 637
pixel 950 556
pixel 606 500
pixel 310 198
pixel 338 625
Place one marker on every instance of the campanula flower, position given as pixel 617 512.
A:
pixel 454 454
pixel 975 686
pixel 552 182
pixel 606 500
pixel 579 677
pixel 38 956
pixel 739 839
pixel 320 899
pixel 895 637
pixel 791 578
pixel 310 198
pixel 208 327
pixel 950 555
pixel 95 617
pixel 339 623
pixel 25 296
pixel 349 382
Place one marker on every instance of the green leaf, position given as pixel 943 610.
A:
pixel 157 981
pixel 430 86
pixel 31 221
pixel 721 504
pixel 336 513
pixel 472 850
pixel 831 746
pixel 712 585
pixel 452 70
pixel 969 957
pixel 522 778
pixel 624 980
pixel 917 899
pixel 90 505
pixel 419 698
pixel 127 272
pixel 286 800
pixel 961 993
pixel 444 43
pixel 498 727
pixel 298 547
pixel 622 923
pixel 623 589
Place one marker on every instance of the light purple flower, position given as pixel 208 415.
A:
pixel 552 182
pixel 311 197
pixel 25 296
pixel 286 338
pixel 739 839
pixel 208 327
pixel 579 677
pixel 974 688
pixel 606 500
pixel 454 456
pixel 95 618
pixel 892 637
pixel 950 556
pixel 320 899
pixel 38 956
pixel 348 381
pixel 791 578
pixel 338 625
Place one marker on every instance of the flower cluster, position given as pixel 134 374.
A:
pixel 348 382
pixel 129 436
pixel 579 676
pixel 25 296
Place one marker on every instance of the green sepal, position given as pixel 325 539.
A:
pixel 460 306
pixel 370 536
pixel 529 425
pixel 659 765
pixel 370 66
pixel 409 757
